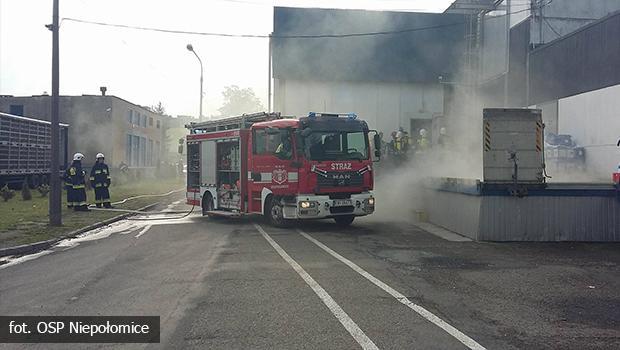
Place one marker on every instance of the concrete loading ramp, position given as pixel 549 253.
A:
pixel 555 212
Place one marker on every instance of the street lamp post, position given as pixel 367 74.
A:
pixel 191 48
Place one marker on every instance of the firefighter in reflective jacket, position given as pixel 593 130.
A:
pixel 75 184
pixel 100 181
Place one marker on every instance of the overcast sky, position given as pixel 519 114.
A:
pixel 147 67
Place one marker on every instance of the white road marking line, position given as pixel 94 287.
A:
pixel 336 310
pixel 146 228
pixel 467 341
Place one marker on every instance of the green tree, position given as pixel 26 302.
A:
pixel 159 109
pixel 238 101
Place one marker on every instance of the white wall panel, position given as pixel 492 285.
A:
pixel 593 119
pixel 385 106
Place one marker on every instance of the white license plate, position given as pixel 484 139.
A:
pixel 342 202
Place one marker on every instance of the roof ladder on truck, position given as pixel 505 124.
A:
pixel 240 122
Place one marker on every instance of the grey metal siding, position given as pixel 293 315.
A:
pixel 519 43
pixel 583 61
pixel 581 217
pixel 553 218
pixel 454 211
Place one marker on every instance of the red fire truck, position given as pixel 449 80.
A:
pixel 314 167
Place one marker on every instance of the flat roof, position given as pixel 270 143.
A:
pixel 30 119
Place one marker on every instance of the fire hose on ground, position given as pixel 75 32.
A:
pixel 147 213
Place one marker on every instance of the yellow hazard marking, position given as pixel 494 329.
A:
pixel 487 136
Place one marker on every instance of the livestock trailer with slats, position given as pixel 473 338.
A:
pixel 25 150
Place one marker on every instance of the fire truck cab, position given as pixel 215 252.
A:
pixel 314 167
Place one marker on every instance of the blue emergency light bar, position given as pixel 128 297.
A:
pixel 348 115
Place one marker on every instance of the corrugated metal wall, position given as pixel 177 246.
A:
pixel 534 218
pixel 584 61
pixel 456 212
pixel 552 218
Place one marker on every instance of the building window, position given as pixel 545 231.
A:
pixel 149 153
pixel 143 120
pixel 157 151
pixel 17 110
pixel 128 150
pixel 158 124
pixel 150 121
pixel 130 116
pixel 133 150
pixel 142 151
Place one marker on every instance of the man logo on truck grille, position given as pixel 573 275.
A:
pixel 279 176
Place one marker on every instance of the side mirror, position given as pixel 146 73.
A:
pixel 377 142
pixel 180 149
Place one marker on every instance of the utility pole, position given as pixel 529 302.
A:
pixel 55 190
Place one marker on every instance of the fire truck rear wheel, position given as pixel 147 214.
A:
pixel 275 213
pixel 207 204
pixel 344 220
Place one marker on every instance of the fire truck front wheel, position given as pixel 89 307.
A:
pixel 344 220
pixel 274 213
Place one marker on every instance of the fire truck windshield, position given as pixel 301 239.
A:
pixel 336 145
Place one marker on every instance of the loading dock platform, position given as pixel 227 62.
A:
pixel 553 212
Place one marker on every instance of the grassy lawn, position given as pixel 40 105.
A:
pixel 23 222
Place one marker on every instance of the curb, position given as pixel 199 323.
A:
pixel 38 246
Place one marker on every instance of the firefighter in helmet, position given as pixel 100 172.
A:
pixel 76 185
pixel 284 149
pixel 423 141
pixel 100 181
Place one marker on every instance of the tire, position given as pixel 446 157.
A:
pixel 344 221
pixel 207 204
pixel 274 213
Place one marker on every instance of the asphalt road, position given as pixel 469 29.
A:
pixel 241 284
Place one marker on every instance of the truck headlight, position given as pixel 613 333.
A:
pixel 307 204
pixel 371 201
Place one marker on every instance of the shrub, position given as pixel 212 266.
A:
pixel 43 190
pixel 26 194
pixel 6 193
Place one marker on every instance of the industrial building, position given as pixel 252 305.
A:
pixel 562 58
pixel 123 131
pixel 391 81
pixel 555 55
